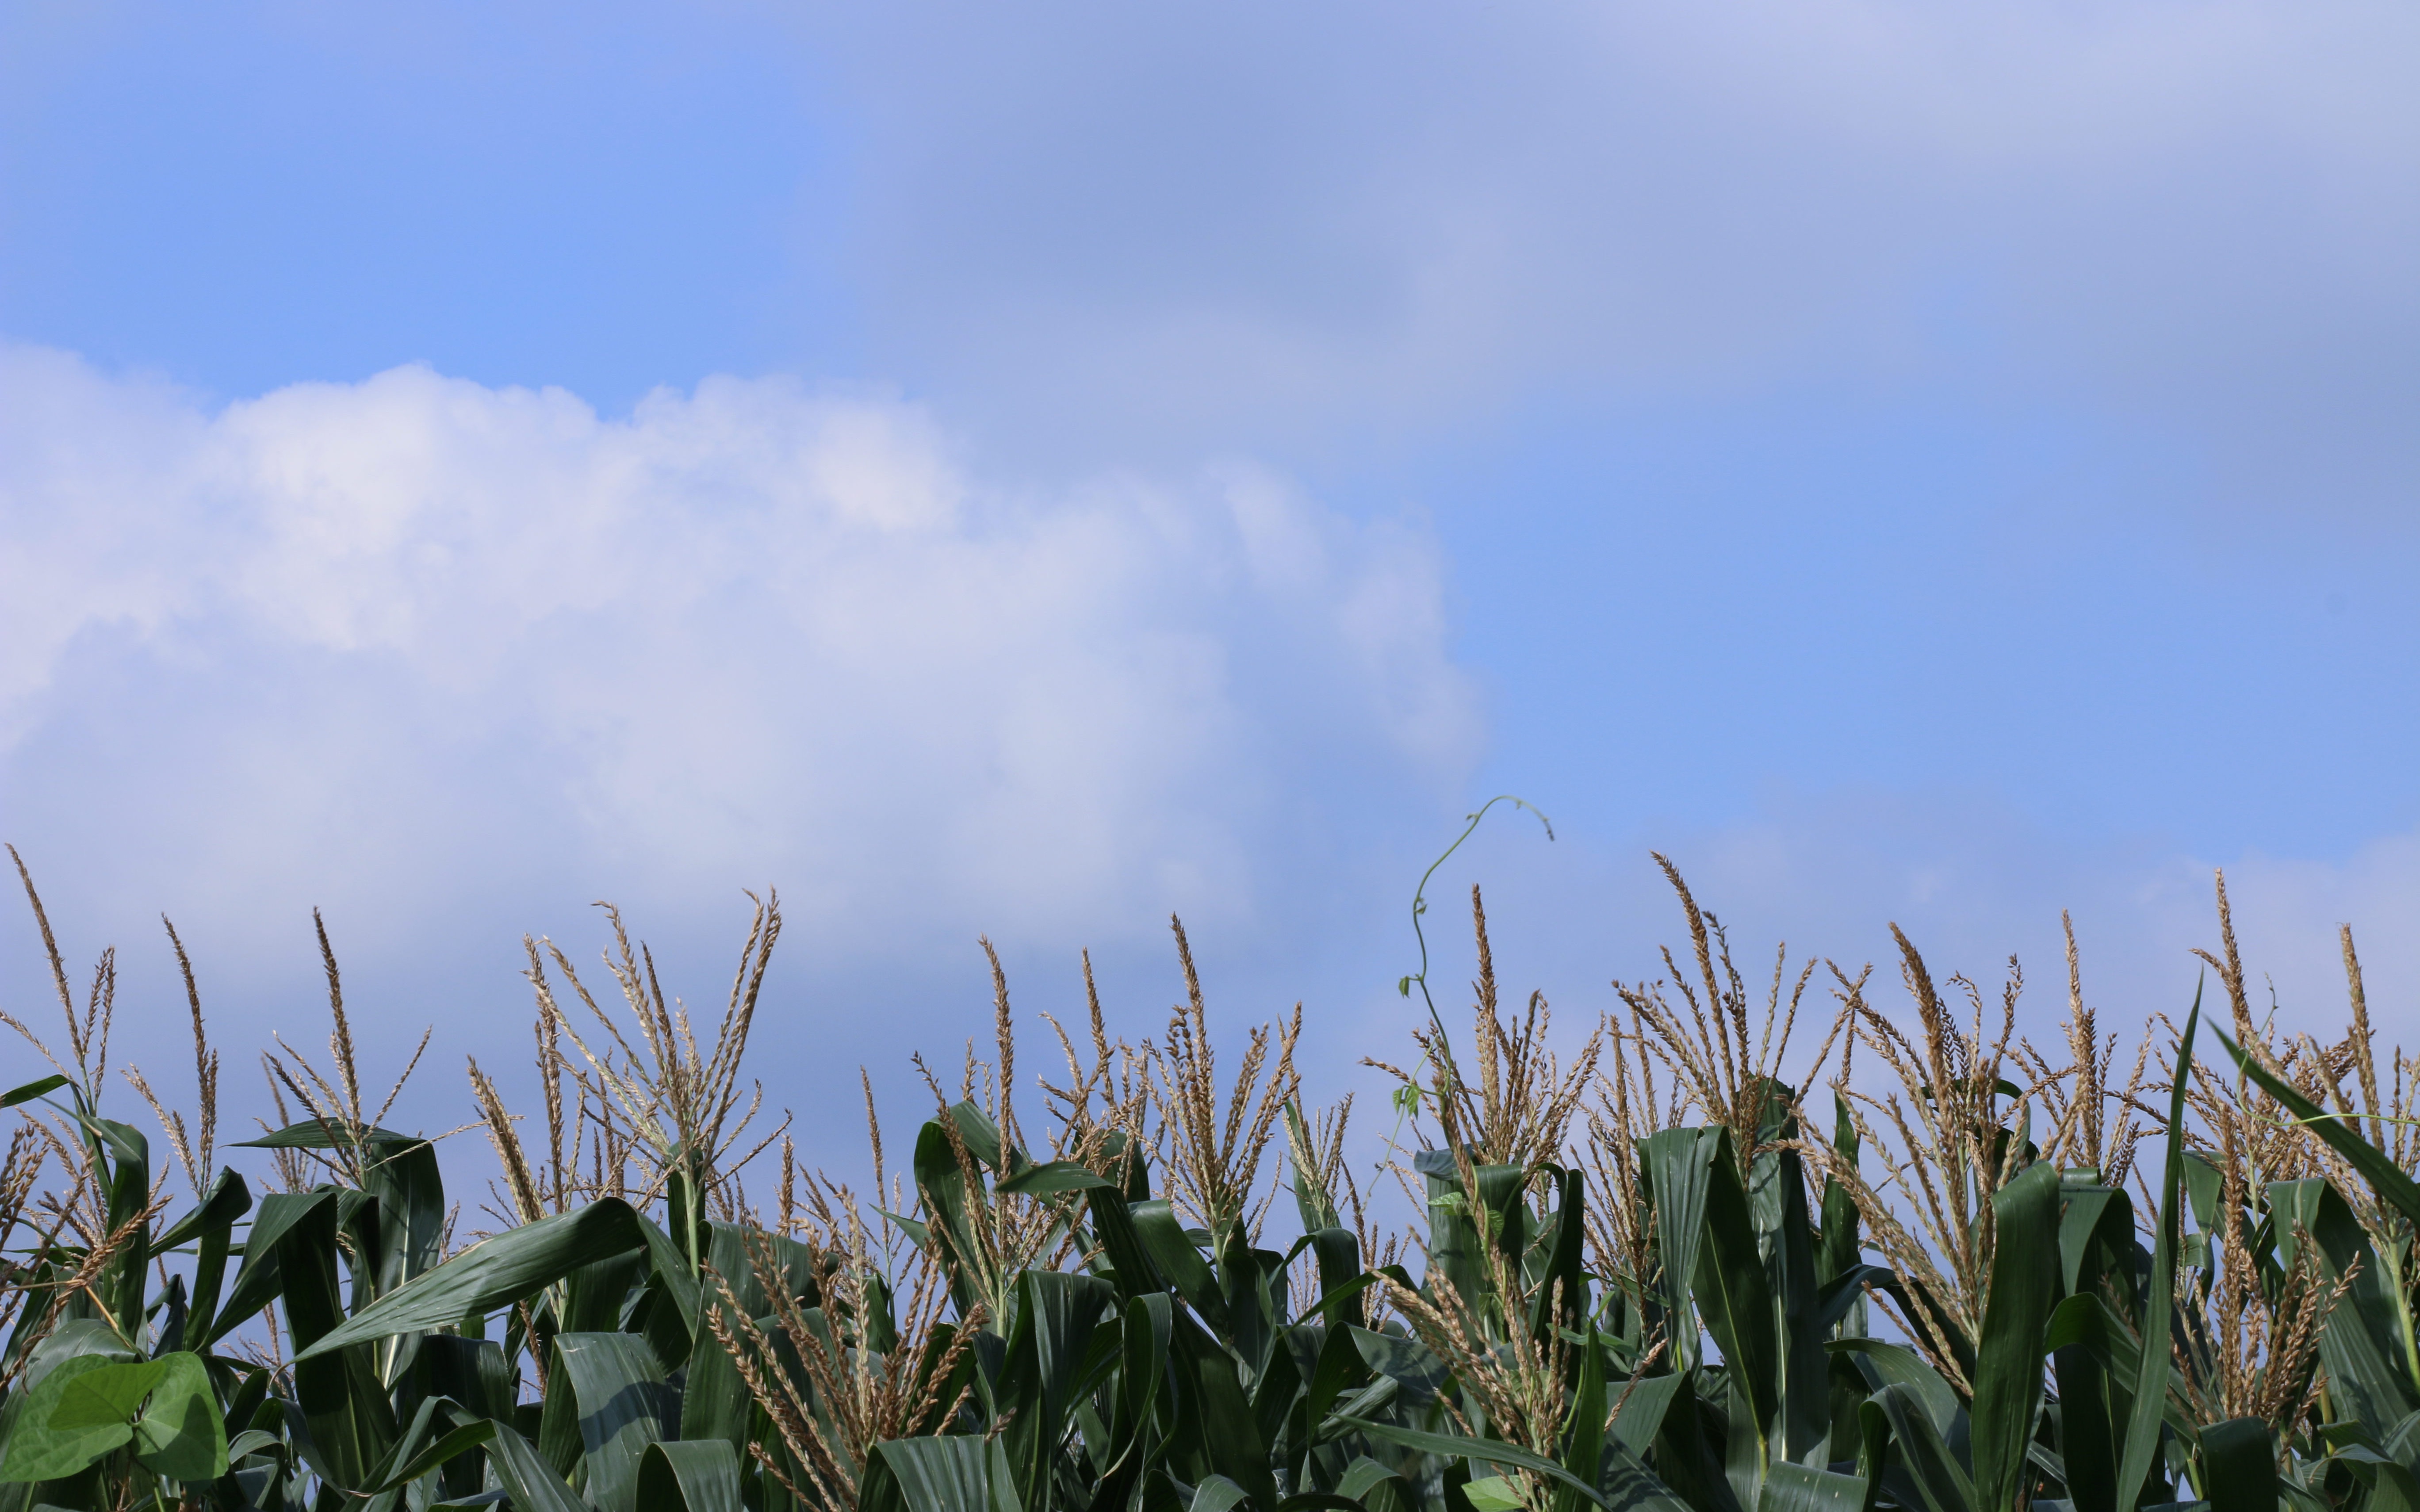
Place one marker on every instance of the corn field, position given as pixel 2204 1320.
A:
pixel 1752 1244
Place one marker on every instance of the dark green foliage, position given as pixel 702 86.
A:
pixel 1038 1330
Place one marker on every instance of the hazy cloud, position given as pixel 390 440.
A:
pixel 398 645
pixel 2195 221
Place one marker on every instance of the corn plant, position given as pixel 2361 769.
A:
pixel 1697 1257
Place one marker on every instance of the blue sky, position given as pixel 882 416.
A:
pixel 1029 469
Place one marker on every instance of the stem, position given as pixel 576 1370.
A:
pixel 1420 906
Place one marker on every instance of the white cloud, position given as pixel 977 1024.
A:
pixel 412 642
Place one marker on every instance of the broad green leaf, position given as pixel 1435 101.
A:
pixel 81 1411
pixel 2025 1288
pixel 1121 1247
pixel 1337 1253
pixel 689 1475
pixel 404 1178
pixel 1564 1249
pixel 672 1269
pixel 129 1270
pixel 180 1433
pixel 1493 1493
pixel 492 1273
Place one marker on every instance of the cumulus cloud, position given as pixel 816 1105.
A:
pixel 410 644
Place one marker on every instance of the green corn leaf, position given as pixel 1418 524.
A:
pixel 1229 1431
pixel 1679 1164
pixel 1217 1493
pixel 2152 1379
pixel 1940 1481
pixel 980 1135
pixel 1052 1176
pixel 616 1390
pixel 1413 1365
pixel 1625 1484
pixel 1177 1257
pixel 31 1091
pixel 1565 1273
pixel 689 1475
pixel 1735 1296
pixel 313 1134
pixel 533 1486
pixel 256 1282
pixel 1584 1423
pixel 2239 1466
pixel 130 1195
pixel 1375 1488
pixel 349 1419
pixel 2016 1311
pixel 1888 1364
pixel 1339 1368
pixel 671 1264
pixel 2096 1235
pixel 426 1454
pixel 1337 1253
pixel 1641 1408
pixel 492 1273
pixel 1841 1252
pixel 411 1194
pixel 1794 1487
pixel 227 1200
pixel 954 1473
pixel 2087 1434
pixel 715 1402
pixel 1484 1451
pixel 1057 1313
